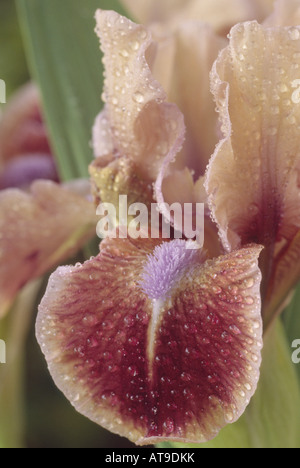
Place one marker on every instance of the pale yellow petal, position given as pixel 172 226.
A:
pixel 183 60
pixel 137 122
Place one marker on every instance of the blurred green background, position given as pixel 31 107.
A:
pixel 13 66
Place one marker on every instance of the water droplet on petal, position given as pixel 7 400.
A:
pixel 229 416
pixel 294 34
pixel 273 131
pixel 138 97
pixel 283 88
pixel 249 300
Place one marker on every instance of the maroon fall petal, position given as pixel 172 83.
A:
pixel 175 368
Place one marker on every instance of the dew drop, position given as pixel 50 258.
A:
pixel 249 300
pixel 216 289
pixel 283 88
pixel 273 131
pixel 291 119
pixel 294 34
pixel 138 97
pixel 133 371
pixel 235 330
pixel 254 358
pixel 229 416
pixel 275 110
pixel 124 53
pixel 226 337
pixel 134 45
pixel 253 208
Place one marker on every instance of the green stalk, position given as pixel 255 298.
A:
pixel 65 60
pixel 14 330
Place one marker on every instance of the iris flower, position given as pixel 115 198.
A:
pixel 42 222
pixel 150 339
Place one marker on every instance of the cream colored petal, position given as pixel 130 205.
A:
pixel 286 13
pixel 182 61
pixel 142 125
pixel 103 144
pixel 250 177
pixel 37 231
pixel 145 11
pixel 182 64
pixel 221 14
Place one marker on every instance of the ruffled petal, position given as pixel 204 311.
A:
pixel 137 121
pixel 38 230
pixel 176 359
pixel 251 176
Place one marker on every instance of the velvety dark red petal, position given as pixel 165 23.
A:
pixel 176 368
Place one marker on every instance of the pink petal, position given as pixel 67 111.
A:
pixel 38 230
pixel 181 377
pixel 21 128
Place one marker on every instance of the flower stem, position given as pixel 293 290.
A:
pixel 13 330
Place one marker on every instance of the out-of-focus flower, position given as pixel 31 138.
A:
pixel 25 154
pixel 41 222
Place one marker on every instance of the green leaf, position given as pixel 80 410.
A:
pixel 64 57
pixel 272 419
pixel 13 69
